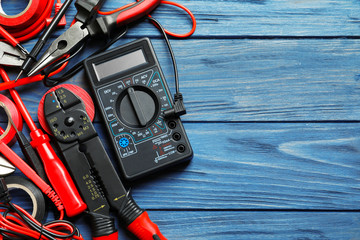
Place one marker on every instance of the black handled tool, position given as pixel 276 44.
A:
pixel 92 170
pixel 75 36
pixel 31 58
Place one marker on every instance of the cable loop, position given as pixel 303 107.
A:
pixel 185 35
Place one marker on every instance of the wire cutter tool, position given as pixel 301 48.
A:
pixel 84 28
pixel 92 170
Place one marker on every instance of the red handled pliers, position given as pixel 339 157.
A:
pixel 74 37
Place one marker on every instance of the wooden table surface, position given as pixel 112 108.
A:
pixel 272 90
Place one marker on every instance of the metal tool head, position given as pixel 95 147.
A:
pixel 6 168
pixel 64 44
pixel 10 56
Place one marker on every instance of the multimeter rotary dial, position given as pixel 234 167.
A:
pixel 133 95
pixel 137 107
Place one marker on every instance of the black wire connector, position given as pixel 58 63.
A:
pixel 178 109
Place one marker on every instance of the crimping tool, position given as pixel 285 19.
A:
pixel 92 170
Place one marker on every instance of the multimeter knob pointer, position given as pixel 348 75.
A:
pixel 135 103
pixel 137 107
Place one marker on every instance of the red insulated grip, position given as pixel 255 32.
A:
pixel 113 236
pixel 137 11
pixel 57 174
pixel 144 229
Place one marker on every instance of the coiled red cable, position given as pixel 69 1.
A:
pixel 177 35
pixel 30 22
pixel 16 222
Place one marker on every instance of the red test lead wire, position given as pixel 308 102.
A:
pixel 27 80
pixel 15 223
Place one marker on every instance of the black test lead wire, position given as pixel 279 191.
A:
pixel 179 107
pixel 162 29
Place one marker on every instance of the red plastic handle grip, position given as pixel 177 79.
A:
pixel 57 174
pixel 144 229
pixel 136 11
pixel 31 174
pixel 113 236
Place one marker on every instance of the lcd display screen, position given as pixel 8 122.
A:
pixel 119 64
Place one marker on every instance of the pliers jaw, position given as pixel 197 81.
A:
pixel 101 26
pixel 10 56
pixel 66 43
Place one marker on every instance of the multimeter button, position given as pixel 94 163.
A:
pixel 126 145
pixel 123 142
pixel 143 78
pixel 116 128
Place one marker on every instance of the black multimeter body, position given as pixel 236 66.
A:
pixel 132 94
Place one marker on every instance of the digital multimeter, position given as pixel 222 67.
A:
pixel 132 94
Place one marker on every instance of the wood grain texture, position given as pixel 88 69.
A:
pixel 259 166
pixel 262 166
pixel 239 18
pixel 256 80
pixel 240 225
pixel 258 225
pixel 261 81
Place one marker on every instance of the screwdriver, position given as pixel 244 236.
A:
pixel 29 152
pixel 55 170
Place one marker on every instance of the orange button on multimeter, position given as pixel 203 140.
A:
pixel 132 94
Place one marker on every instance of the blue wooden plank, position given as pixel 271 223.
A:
pixel 244 225
pixel 258 225
pixel 259 166
pixel 255 80
pixel 249 18
pixel 242 167
pixel 208 225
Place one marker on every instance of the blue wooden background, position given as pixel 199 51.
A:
pixel 272 89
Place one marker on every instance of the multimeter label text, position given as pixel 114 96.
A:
pixel 110 97
pixel 132 93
